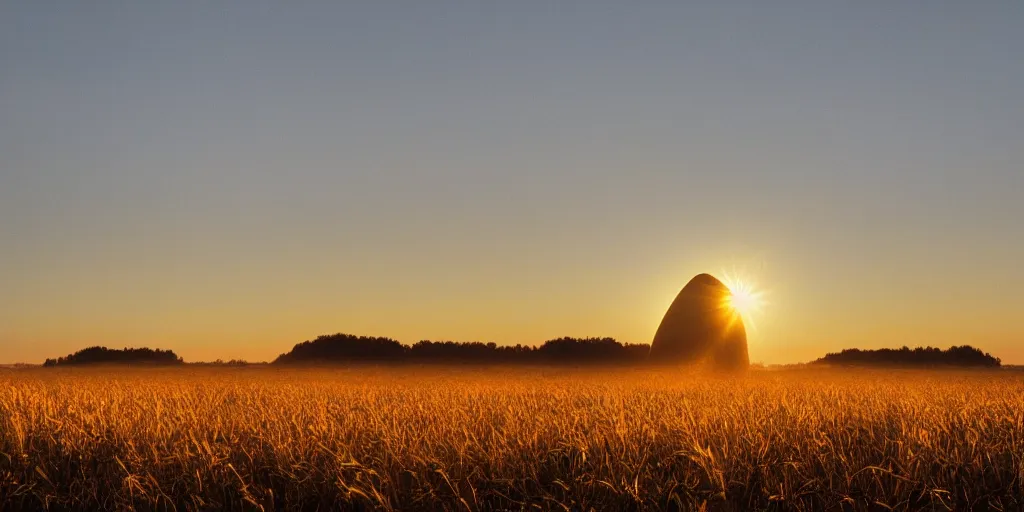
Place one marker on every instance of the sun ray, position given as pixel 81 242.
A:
pixel 744 302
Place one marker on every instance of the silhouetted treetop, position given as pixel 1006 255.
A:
pixel 585 350
pixel 340 348
pixel 104 355
pixel 920 356
pixel 345 347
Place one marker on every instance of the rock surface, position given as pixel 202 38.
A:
pixel 701 327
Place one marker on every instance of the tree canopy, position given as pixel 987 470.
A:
pixel 965 355
pixel 104 355
pixel 341 348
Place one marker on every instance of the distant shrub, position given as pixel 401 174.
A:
pixel 221 362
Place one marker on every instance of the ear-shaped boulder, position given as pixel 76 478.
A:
pixel 701 327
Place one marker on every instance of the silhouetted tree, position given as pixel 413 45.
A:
pixel 588 350
pixel 348 348
pixel 921 356
pixel 221 362
pixel 345 347
pixel 104 355
pixel 455 352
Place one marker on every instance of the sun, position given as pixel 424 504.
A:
pixel 744 301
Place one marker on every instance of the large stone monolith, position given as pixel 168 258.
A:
pixel 701 327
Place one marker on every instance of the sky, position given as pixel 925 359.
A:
pixel 229 180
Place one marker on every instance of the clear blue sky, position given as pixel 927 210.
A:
pixel 229 180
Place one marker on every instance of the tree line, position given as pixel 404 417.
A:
pixel 367 349
pixel 965 355
pixel 346 348
pixel 104 355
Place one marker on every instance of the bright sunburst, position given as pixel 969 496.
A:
pixel 744 301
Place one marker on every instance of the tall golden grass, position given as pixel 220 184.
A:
pixel 484 439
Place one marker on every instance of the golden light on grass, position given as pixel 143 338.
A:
pixel 513 439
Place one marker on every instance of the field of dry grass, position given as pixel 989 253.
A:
pixel 461 439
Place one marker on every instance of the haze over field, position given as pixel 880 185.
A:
pixel 228 182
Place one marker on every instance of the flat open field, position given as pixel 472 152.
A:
pixel 472 439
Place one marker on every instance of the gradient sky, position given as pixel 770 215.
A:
pixel 229 180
